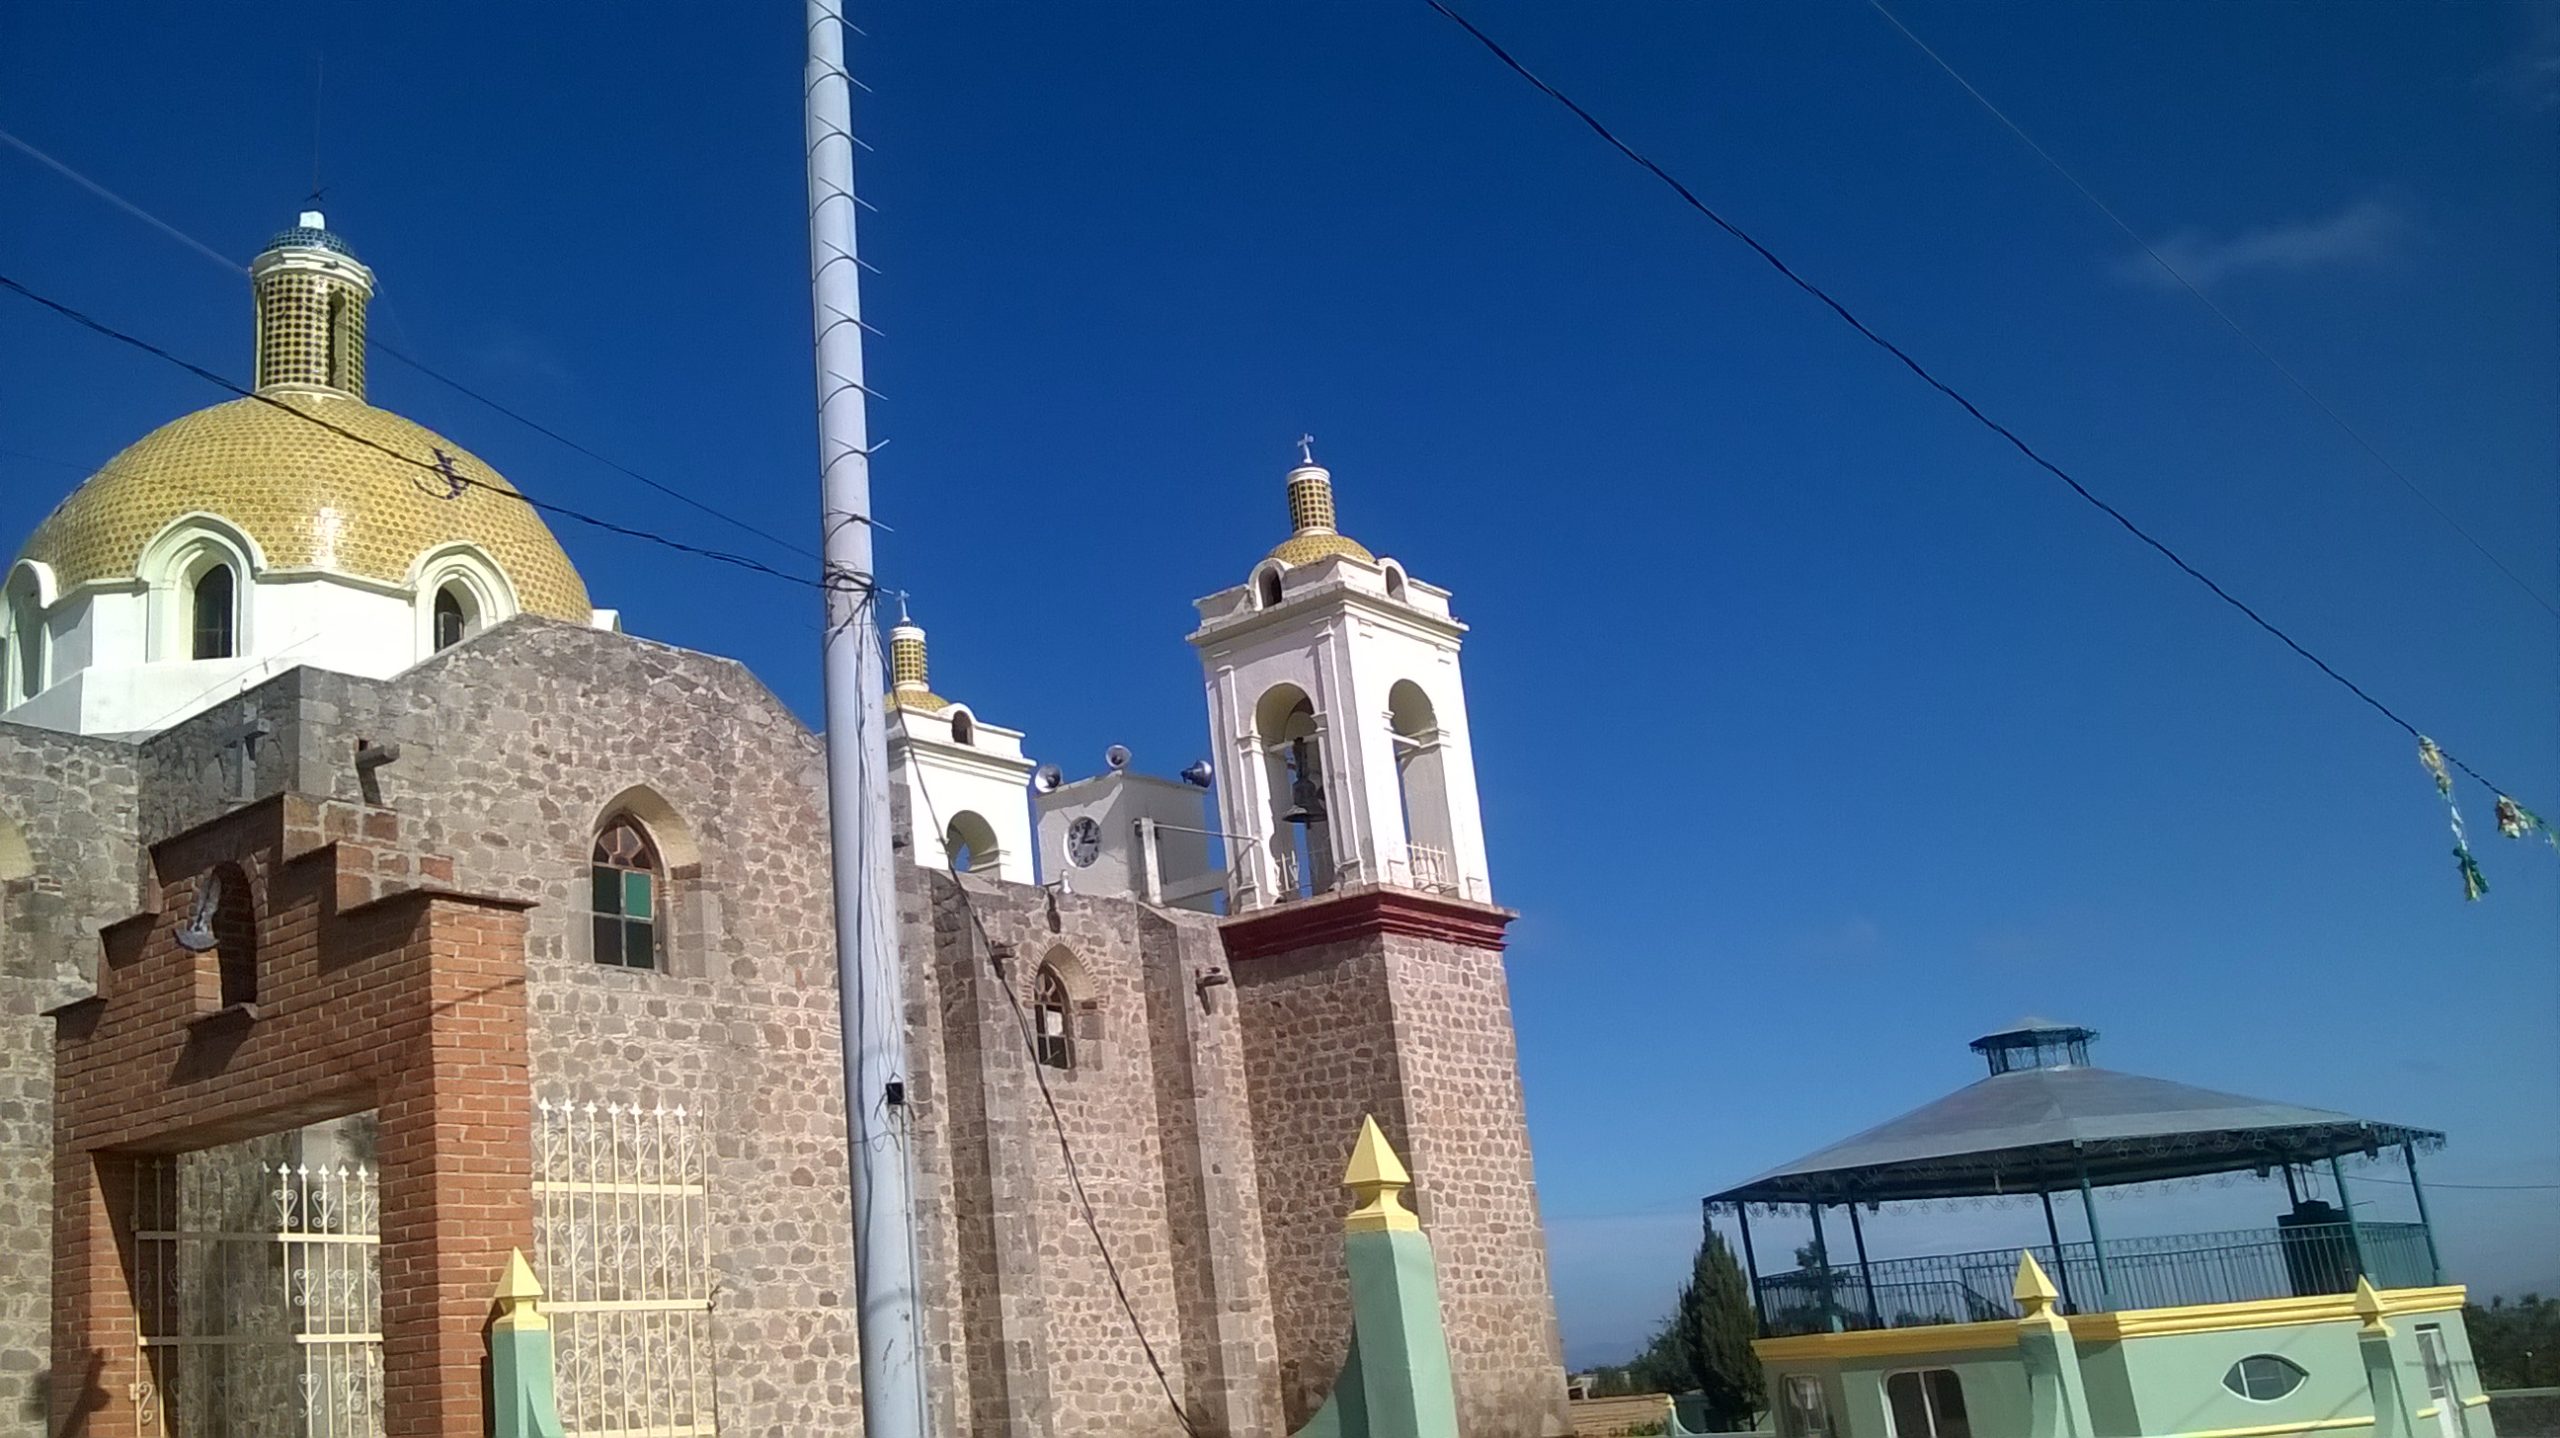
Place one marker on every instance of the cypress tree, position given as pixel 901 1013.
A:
pixel 1712 1330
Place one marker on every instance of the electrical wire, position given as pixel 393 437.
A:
pixel 1929 378
pixel 1057 1121
pixel 442 473
pixel 2251 340
pixel 421 366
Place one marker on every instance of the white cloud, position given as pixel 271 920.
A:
pixel 2531 76
pixel 2364 233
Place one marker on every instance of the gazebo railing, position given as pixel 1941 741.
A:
pixel 2235 1266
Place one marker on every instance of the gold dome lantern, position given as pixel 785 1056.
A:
pixel 1311 516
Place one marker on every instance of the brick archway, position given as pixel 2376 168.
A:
pixel 381 988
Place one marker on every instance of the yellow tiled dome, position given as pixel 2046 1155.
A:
pixel 1310 547
pixel 310 499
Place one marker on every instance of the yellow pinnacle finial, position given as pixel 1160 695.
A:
pixel 2034 1291
pixel 520 1295
pixel 1378 1179
pixel 2369 1306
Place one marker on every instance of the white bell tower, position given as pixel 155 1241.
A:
pixel 1338 720
pixel 967 782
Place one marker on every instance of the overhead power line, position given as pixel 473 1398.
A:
pixel 440 472
pixel 2247 338
pixel 421 366
pixel 1929 378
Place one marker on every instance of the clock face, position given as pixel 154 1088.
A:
pixel 1084 842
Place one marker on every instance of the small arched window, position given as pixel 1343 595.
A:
pixel 452 618
pixel 214 613
pixel 234 923
pixel 625 879
pixel 964 730
pixel 1052 1016
pixel 1395 583
pixel 1266 587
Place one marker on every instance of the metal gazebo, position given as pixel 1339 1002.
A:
pixel 2044 1120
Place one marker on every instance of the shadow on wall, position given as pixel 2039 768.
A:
pixel 93 1396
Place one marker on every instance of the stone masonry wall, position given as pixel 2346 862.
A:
pixel 1417 1033
pixel 66 811
pixel 1469 1130
pixel 1320 1055
pixel 1153 1108
pixel 514 746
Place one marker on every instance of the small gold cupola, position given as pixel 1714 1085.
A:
pixel 1311 514
pixel 312 292
pixel 907 687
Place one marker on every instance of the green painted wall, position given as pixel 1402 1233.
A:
pixel 2176 1379
pixel 2163 1385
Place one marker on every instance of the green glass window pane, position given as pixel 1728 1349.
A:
pixel 608 940
pixel 635 895
pixel 606 897
pixel 640 944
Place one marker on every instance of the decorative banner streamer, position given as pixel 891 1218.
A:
pixel 2474 883
pixel 2518 822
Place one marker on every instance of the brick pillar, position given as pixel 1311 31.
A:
pixel 457 1169
pixel 96 1333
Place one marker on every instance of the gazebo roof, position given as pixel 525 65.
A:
pixel 2035 1128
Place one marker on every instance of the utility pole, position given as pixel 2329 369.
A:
pixel 868 974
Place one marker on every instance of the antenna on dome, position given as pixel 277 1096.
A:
pixel 319 87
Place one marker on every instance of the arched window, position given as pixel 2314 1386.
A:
pixel 233 918
pixel 460 594
pixel 1053 1039
pixel 1395 582
pixel 213 615
pixel 625 879
pixel 452 618
pixel 1266 587
pixel 964 730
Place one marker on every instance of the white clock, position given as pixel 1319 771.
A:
pixel 1084 841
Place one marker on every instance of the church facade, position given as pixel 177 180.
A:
pixel 371 906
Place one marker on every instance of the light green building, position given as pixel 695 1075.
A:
pixel 2326 1323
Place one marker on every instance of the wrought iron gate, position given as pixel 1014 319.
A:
pixel 623 1249
pixel 257 1287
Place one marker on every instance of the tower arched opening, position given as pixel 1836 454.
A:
pixel 971 843
pixel 1299 830
pixel 1423 786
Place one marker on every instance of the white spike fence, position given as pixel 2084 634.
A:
pixel 257 1288
pixel 622 1246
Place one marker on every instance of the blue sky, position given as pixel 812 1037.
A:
pixel 1818 732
